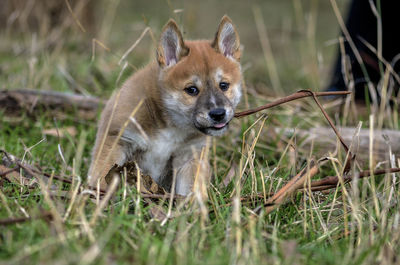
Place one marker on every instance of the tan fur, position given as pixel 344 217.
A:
pixel 169 129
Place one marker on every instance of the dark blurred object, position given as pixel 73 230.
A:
pixel 45 16
pixel 362 25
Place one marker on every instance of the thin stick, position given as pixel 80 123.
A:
pixel 349 157
pixel 303 94
pixel 330 121
pixel 294 96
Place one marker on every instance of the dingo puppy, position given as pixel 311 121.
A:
pixel 189 92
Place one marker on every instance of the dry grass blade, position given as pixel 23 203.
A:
pixel 133 45
pixel 267 50
pixel 104 201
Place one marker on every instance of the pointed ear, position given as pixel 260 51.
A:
pixel 227 39
pixel 171 47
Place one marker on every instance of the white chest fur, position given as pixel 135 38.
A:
pixel 159 150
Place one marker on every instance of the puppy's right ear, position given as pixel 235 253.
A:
pixel 171 47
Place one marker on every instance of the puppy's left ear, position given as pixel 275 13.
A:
pixel 227 39
pixel 171 47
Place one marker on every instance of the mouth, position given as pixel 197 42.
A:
pixel 219 126
pixel 214 130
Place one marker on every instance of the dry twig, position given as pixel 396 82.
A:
pixel 291 187
pixel 332 181
pixel 294 96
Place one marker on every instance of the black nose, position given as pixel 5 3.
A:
pixel 217 114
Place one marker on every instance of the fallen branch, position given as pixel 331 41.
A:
pixel 27 173
pixel 291 187
pixel 323 138
pixel 332 181
pixel 10 221
pixel 297 184
pixel 12 100
pixel 149 188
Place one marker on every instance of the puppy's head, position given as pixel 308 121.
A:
pixel 200 80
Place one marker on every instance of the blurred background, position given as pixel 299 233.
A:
pixel 76 46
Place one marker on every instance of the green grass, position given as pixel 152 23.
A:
pixel 355 226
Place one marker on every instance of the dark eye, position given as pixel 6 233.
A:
pixel 224 86
pixel 192 90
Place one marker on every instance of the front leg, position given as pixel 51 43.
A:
pixel 104 158
pixel 192 173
